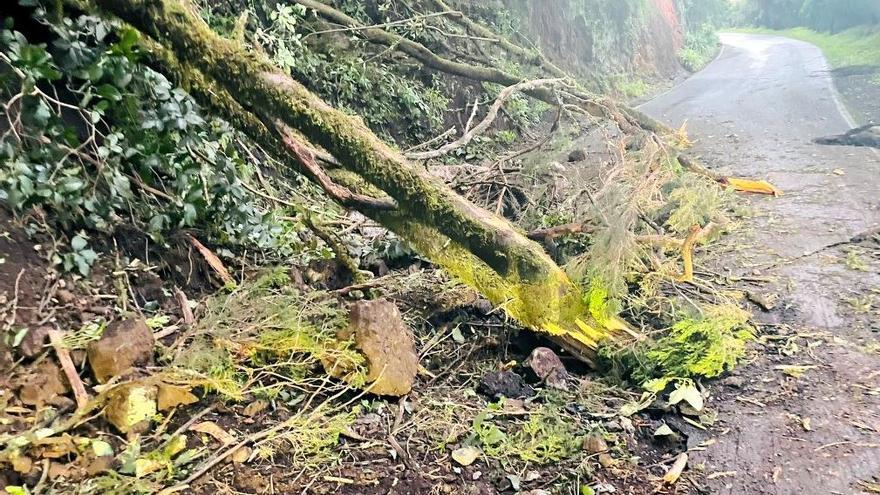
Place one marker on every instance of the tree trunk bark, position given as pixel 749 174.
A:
pixel 480 248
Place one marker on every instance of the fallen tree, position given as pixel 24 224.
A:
pixel 480 248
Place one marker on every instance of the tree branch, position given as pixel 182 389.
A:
pixel 487 121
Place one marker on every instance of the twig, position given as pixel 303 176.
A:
pixel 488 120
pixel 687 253
pixel 44 475
pixel 185 310
pixel 561 231
pixel 79 390
pixel 10 320
pixel 433 140
pixel 383 25
pixel 306 159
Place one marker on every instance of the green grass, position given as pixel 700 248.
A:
pixel 630 86
pixel 701 46
pixel 856 46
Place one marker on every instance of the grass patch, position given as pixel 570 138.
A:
pixel 546 436
pixel 700 47
pixel 629 86
pixel 265 340
pixel 853 47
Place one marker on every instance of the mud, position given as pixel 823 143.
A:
pixel 754 112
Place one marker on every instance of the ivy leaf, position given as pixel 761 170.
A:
pixel 78 243
pixel 109 92
pixel 72 184
pixel 36 113
pixel 687 392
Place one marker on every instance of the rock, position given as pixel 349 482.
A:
pixel 124 345
pixel 62 403
pixel 131 407
pixel 606 460
pixel 613 426
pixel 577 155
pixel 383 338
pixel 64 296
pixel 34 341
pixel 507 384
pixel 483 306
pixel 255 407
pixel 42 385
pixel 595 444
pixel 734 381
pixel 548 368
pixel 466 456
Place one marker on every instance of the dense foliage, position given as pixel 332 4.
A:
pixel 96 139
pixel 821 15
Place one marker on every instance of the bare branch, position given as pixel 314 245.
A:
pixel 505 94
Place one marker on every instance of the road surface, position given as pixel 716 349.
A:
pixel 753 112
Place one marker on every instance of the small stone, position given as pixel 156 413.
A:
pixel 241 455
pixel 577 155
pixel 380 334
pixel 466 456
pixel 34 342
pixel 613 426
pixel 62 403
pixel 606 460
pixel 548 367
pixel 124 345
pixel 734 381
pixel 254 408
pixel 483 306
pixel 595 444
pixel 498 384
pixel 64 296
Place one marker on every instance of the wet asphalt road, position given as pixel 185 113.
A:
pixel 753 112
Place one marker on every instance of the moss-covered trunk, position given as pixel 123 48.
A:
pixel 480 248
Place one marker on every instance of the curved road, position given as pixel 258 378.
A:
pixel 754 112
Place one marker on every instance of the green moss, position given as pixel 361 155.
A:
pixel 264 91
pixel 705 346
pixel 274 278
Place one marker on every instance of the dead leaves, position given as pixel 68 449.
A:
pixel 751 185
pixel 214 430
pixel 171 396
pixel 671 477
pixel 211 428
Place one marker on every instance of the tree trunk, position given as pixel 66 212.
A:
pixel 474 245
